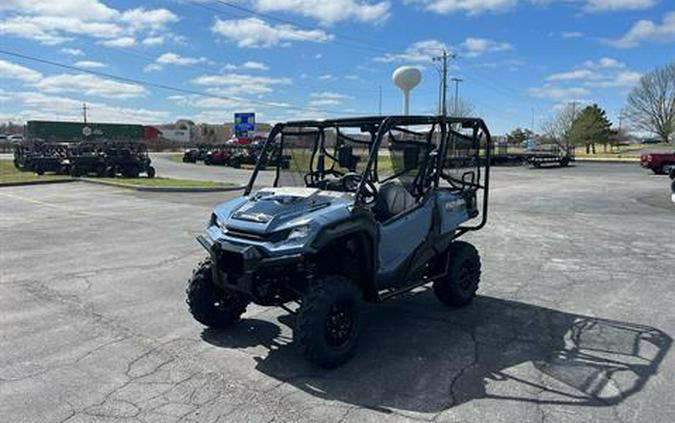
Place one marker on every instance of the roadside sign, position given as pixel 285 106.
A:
pixel 244 124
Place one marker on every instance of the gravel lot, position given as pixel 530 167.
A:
pixel 573 322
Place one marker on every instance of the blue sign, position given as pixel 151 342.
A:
pixel 244 124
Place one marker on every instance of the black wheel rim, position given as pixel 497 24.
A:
pixel 340 324
pixel 222 299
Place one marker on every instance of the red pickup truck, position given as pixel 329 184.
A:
pixel 659 163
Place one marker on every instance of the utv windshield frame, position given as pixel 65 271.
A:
pixel 380 127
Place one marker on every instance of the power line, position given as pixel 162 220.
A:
pixel 167 87
pixel 211 69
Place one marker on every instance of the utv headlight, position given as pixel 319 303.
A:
pixel 219 223
pixel 298 233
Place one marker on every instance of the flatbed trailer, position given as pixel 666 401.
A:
pixel 554 154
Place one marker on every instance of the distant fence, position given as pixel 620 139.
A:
pixel 6 147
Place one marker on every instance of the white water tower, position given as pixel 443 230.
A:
pixel 406 78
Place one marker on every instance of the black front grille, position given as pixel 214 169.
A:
pixel 231 262
pixel 254 236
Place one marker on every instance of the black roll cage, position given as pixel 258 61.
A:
pixel 379 127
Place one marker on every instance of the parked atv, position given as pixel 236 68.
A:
pixel 328 237
pixel 128 159
pixel 84 159
pixel 219 157
pixel 190 156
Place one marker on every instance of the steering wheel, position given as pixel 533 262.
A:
pixel 311 178
pixel 351 181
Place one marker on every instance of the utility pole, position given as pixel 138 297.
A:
pixel 84 112
pixel 574 109
pixel 457 81
pixel 532 126
pixel 442 106
pixel 379 103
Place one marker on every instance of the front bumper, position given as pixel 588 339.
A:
pixel 235 266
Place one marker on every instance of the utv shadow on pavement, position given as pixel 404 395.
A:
pixel 419 356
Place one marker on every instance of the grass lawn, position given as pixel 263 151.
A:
pixel 178 158
pixel 11 175
pixel 166 182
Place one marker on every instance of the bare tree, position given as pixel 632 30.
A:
pixel 464 109
pixel 558 127
pixel 651 104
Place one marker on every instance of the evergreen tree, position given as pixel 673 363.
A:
pixel 591 126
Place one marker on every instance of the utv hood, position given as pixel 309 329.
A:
pixel 272 209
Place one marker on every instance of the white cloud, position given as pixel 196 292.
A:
pixel 574 75
pixel 645 30
pixel 55 22
pixel 330 95
pixel 327 77
pixel 623 79
pixel 82 9
pixel 13 71
pixel 477 46
pixel 90 64
pixel 52 30
pixel 571 34
pixel 327 98
pixel 171 58
pixel 155 19
pixel 152 67
pixel 176 59
pixel 551 92
pixel 254 32
pixel 255 65
pixel 119 42
pixel 474 7
pixel 72 51
pixel 324 102
pixel 468 6
pixel 42 106
pixel 329 12
pixel 615 5
pixel 89 85
pixel 153 41
pixel 605 72
pixel 237 84
pixel 418 52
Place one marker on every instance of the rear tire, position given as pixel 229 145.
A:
pixel 131 172
pixel 209 304
pixel 151 172
pixel 328 323
pixel 458 287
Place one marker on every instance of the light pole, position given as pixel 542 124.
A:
pixel 456 81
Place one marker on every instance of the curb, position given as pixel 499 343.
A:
pixel 606 160
pixel 160 189
pixel 20 184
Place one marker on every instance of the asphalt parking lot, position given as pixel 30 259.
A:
pixel 574 321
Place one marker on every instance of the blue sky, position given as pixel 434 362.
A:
pixel 518 58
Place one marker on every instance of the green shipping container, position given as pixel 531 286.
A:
pixel 54 131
